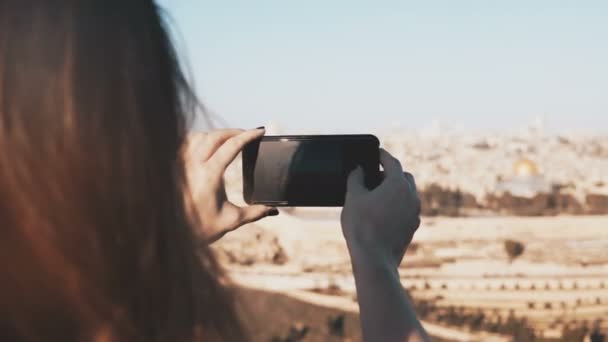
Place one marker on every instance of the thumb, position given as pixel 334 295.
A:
pixel 255 213
pixel 356 182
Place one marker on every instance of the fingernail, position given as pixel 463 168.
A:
pixel 273 212
pixel 261 127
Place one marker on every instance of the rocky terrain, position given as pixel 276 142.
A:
pixel 465 277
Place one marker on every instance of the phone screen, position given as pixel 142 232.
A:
pixel 306 171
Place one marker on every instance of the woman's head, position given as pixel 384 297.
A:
pixel 93 230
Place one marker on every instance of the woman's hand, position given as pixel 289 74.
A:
pixel 207 157
pixel 380 223
pixel 378 226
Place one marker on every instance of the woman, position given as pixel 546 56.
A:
pixel 101 236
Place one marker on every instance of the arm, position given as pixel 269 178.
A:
pixel 378 226
pixel 386 313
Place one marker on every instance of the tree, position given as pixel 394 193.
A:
pixel 514 249
pixel 335 324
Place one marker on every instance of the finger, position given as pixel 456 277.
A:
pixel 411 180
pixel 235 217
pixel 256 212
pixel 356 182
pixel 383 175
pixel 226 153
pixel 405 174
pixel 214 140
pixel 392 166
pixel 414 191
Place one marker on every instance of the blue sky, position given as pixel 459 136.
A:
pixel 337 65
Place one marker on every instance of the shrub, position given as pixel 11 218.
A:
pixel 514 249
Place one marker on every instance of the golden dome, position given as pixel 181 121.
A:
pixel 525 168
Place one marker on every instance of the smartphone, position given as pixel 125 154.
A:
pixel 307 170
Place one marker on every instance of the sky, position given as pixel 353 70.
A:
pixel 364 65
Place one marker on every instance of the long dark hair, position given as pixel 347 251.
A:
pixel 95 242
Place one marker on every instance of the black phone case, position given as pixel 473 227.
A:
pixel 317 179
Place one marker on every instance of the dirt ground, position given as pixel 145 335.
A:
pixel 270 315
pixel 458 265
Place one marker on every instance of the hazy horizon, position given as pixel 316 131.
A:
pixel 376 65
